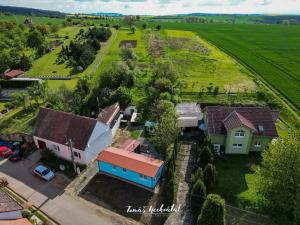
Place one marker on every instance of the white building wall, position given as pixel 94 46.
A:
pixel 116 126
pixel 11 215
pixel 62 151
pixel 100 139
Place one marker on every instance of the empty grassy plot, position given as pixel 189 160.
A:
pixel 201 64
pixel 47 65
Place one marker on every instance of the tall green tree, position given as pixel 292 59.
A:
pixel 279 175
pixel 198 195
pixel 213 211
pixel 35 39
pixel 209 176
pixel 206 156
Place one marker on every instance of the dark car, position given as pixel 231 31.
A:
pixel 17 155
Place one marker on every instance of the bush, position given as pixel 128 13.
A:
pixel 198 174
pixel 206 156
pixel 210 176
pixel 213 211
pixel 198 195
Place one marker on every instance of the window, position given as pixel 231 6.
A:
pixel 237 145
pixel 124 170
pixel 257 144
pixel 114 167
pixel 77 155
pixel 55 147
pixel 143 177
pixel 240 133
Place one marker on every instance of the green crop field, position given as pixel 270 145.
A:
pixel 272 51
pixel 19 19
pixel 201 64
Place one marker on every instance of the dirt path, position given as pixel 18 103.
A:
pixel 184 217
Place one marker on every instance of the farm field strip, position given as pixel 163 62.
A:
pixel 199 69
pixel 272 51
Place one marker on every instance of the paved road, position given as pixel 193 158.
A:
pixel 51 198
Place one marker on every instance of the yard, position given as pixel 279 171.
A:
pixel 236 180
pixel 46 65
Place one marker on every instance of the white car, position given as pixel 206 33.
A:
pixel 44 172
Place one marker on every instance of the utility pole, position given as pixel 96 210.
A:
pixel 70 144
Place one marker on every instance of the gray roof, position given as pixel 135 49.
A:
pixel 188 107
pixel 56 126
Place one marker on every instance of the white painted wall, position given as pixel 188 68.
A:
pixel 116 126
pixel 100 139
pixel 11 215
pixel 64 151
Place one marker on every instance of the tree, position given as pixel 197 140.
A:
pixel 158 27
pixel 25 62
pixel 210 176
pixel 198 195
pixel 198 174
pixel 127 54
pixel 216 91
pixel 132 28
pixel 123 96
pixel 129 20
pixel 144 26
pixel 54 28
pixel 279 175
pixel 166 130
pixel 35 39
pixel 20 98
pixel 206 156
pixel 213 211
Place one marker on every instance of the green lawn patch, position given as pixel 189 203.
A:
pixel 136 134
pixel 236 180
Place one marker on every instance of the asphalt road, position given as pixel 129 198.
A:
pixel 51 198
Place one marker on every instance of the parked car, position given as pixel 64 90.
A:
pixel 44 172
pixel 17 155
pixel 5 152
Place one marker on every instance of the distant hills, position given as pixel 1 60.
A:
pixel 30 11
pixel 107 14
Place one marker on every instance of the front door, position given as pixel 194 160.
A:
pixel 41 144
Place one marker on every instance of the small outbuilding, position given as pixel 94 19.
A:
pixel 189 114
pixel 128 166
pixel 9 74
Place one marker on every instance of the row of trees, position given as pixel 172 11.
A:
pixel 203 203
pixel 82 51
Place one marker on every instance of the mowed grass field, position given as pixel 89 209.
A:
pixel 272 51
pixel 201 64
pixel 46 65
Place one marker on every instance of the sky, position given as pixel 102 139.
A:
pixel 162 7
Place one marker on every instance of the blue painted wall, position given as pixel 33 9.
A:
pixel 130 175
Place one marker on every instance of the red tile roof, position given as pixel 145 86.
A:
pixel 13 73
pixel 234 120
pixel 131 161
pixel 107 114
pixel 56 126
pixel 22 221
pixel 251 117
pixel 129 145
pixel 7 204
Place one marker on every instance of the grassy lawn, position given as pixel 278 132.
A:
pixel 19 19
pixel 236 181
pixel 143 59
pixel 46 65
pixel 200 63
pixel 56 84
pixel 136 134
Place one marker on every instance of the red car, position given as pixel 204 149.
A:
pixel 5 152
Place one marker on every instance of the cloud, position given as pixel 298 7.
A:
pixel 162 7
